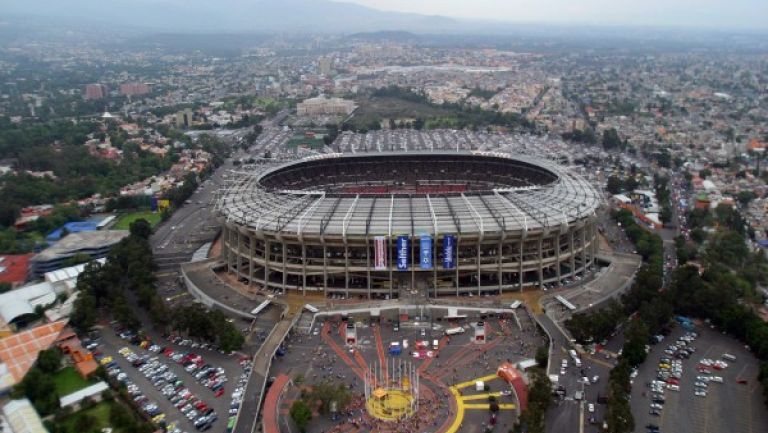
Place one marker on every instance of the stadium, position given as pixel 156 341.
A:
pixel 386 224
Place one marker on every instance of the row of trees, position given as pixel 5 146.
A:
pixel 726 292
pixel 539 401
pixel 213 326
pixel 664 196
pixel 616 184
pixel 128 270
pixel 649 310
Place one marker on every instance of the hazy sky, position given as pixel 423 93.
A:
pixel 705 13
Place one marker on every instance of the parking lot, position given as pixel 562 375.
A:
pixel 702 404
pixel 181 385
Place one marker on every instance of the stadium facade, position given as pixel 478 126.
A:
pixel 374 224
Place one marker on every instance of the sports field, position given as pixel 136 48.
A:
pixel 124 222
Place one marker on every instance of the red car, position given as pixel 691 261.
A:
pixel 219 393
pixel 673 381
pixel 741 381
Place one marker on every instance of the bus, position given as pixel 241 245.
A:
pixel 454 331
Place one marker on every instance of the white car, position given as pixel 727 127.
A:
pixel 591 408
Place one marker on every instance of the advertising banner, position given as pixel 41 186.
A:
pixel 449 246
pixel 403 253
pixel 425 244
pixel 380 253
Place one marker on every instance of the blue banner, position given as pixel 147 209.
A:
pixel 425 252
pixel 449 243
pixel 403 253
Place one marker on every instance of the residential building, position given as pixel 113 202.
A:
pixel 134 89
pixel 325 106
pixel 95 91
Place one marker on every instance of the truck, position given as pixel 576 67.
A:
pixel 454 331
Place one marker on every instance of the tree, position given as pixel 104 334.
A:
pixel 141 228
pixel 539 401
pixel 326 392
pixel 77 259
pixel 542 356
pixel 614 185
pixel 49 361
pixel 40 389
pixel 301 415
pixel 745 197
pixel 611 139
pixel 85 422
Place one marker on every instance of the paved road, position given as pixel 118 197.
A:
pixel 248 419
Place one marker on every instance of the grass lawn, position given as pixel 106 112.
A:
pixel 124 222
pixel 68 380
pixel 99 412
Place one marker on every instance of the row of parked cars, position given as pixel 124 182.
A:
pixel 237 394
pixel 150 408
pixel 683 347
pixel 669 374
pixel 210 376
pixel 159 374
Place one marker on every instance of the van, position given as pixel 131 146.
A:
pixel 435 344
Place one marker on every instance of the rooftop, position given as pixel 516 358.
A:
pixel 13 268
pixel 19 351
pixel 80 242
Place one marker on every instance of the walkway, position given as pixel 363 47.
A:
pixel 271 403
pixel 469 402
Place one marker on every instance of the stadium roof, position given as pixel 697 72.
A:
pixel 304 212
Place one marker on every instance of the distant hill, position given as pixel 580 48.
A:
pixel 302 16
